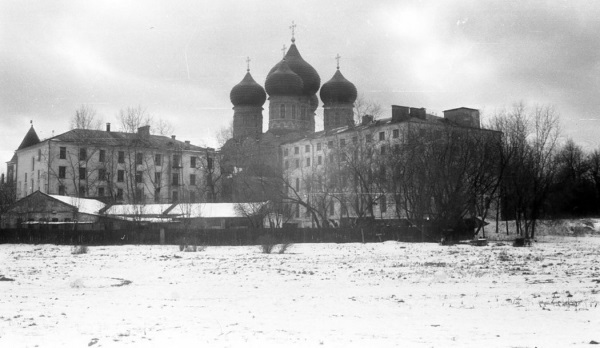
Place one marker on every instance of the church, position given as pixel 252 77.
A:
pixel 326 177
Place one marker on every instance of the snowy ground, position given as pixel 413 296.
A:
pixel 332 295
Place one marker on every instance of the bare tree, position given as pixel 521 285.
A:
pixel 364 106
pixel 85 118
pixel 131 118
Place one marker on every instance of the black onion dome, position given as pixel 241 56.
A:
pixel 308 74
pixel 283 81
pixel 314 102
pixel 338 90
pixel 247 92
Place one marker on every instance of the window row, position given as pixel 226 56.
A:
pixel 139 157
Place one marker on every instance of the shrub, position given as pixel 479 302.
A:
pixel 191 248
pixel 267 243
pixel 283 247
pixel 503 256
pixel 79 249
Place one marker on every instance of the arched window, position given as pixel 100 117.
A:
pixel 282 110
pixel 303 113
pixel 293 112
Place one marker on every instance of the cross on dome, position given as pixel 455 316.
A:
pixel 248 64
pixel 337 57
pixel 283 50
pixel 293 27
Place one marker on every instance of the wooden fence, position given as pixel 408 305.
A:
pixel 156 235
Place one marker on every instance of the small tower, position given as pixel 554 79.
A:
pixel 247 98
pixel 338 96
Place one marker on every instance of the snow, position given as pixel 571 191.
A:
pixel 137 209
pixel 334 295
pixel 214 210
pixel 85 205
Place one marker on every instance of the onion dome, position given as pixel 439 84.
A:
pixel 314 102
pixel 283 81
pixel 338 90
pixel 308 74
pixel 247 92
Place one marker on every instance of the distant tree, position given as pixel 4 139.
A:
pixel 132 118
pixel 85 118
pixel 364 106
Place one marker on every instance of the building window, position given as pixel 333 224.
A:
pixel 175 179
pixel 120 175
pixel 157 178
pixel 193 179
pixel 138 177
pixel 293 112
pixel 32 163
pixel 297 163
pixel 121 157
pixel 307 148
pixel 176 161
pixel 368 138
pixel 102 174
pixel 193 162
pixel 331 207
pixel 308 162
pixel 285 152
pixel 139 158
pixel 157 195
pixel 209 163
pixel 318 146
pixel 395 133
pixel 330 158
pixel 397 147
pixel 39 155
pixel 382 149
pixel 61 190
pixel 330 144
pixel 120 194
pixel 296 150
pixel 100 191
pixel 192 196
pixel 62 172
pixel 62 153
pixel 82 173
pixel 320 160
pixel 287 164
pixel 342 142
pixel 297 184
pixel 303 113
pixel 383 204
pixel 282 110
pixel 81 191
pixel 354 140
pixel 175 196
pixel 297 210
pixel 381 136
pixel 102 156
pixel 158 160
pixel 139 194
pixel 83 154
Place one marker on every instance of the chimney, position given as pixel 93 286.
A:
pixel 173 137
pixel 366 119
pixel 144 131
pixel 418 113
pixel 108 126
pixel 400 113
pixel 187 144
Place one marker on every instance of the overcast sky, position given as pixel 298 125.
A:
pixel 180 59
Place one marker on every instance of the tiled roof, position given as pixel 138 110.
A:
pixel 98 137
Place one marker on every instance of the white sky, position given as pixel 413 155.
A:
pixel 56 56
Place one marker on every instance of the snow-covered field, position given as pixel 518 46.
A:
pixel 332 295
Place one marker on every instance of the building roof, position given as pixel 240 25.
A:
pixel 215 210
pixel 31 138
pixel 84 205
pixel 104 138
pixel 137 209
